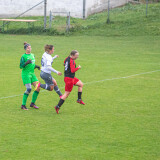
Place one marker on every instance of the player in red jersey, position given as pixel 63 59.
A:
pixel 70 79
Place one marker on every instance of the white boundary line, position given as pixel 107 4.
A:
pixel 94 82
pixel 122 77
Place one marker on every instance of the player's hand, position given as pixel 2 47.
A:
pixel 28 62
pixel 39 68
pixel 59 73
pixel 57 56
pixel 79 67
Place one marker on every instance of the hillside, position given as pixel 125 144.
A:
pixel 127 20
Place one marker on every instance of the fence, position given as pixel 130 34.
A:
pixel 62 22
pixel 64 14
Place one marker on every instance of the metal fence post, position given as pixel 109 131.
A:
pixel 108 20
pixel 45 13
pixel 84 9
pixel 3 26
pixel 146 7
pixel 68 22
pixel 50 19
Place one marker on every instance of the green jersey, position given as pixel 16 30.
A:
pixel 29 68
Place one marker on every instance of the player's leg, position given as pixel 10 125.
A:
pixel 27 82
pixel 68 89
pixel 48 80
pixel 56 87
pixel 25 96
pixel 35 95
pixel 79 83
pixel 35 83
pixel 61 101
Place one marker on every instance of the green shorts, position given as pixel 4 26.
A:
pixel 29 78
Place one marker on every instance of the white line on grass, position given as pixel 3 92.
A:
pixel 94 82
pixel 122 77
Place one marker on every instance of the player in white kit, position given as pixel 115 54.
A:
pixel 46 70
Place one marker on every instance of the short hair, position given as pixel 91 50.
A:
pixel 73 52
pixel 48 47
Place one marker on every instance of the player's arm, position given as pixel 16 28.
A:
pixel 38 67
pixel 56 56
pixel 50 68
pixel 23 63
pixel 73 68
pixel 64 62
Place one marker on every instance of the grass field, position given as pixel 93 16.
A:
pixel 121 117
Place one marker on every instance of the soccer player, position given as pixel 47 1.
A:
pixel 27 64
pixel 70 79
pixel 46 70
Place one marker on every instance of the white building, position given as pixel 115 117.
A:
pixel 78 8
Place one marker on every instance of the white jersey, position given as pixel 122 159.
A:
pixel 46 63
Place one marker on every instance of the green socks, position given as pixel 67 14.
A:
pixel 25 96
pixel 34 96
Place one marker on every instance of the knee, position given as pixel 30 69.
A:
pixel 28 91
pixel 81 85
pixel 51 88
pixel 38 89
pixel 55 83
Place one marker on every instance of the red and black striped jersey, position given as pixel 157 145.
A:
pixel 70 67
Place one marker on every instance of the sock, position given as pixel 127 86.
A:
pixel 79 95
pixel 34 96
pixel 57 90
pixel 45 86
pixel 25 96
pixel 61 101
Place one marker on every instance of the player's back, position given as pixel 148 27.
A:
pixel 67 70
pixel 45 62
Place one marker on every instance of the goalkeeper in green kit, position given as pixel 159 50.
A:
pixel 27 64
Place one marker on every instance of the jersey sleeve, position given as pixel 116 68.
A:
pixel 22 63
pixel 52 69
pixel 54 57
pixel 64 62
pixel 72 66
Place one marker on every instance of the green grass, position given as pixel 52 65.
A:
pixel 124 21
pixel 129 20
pixel 121 117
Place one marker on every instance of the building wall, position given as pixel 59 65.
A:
pixel 12 8
pixel 94 6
